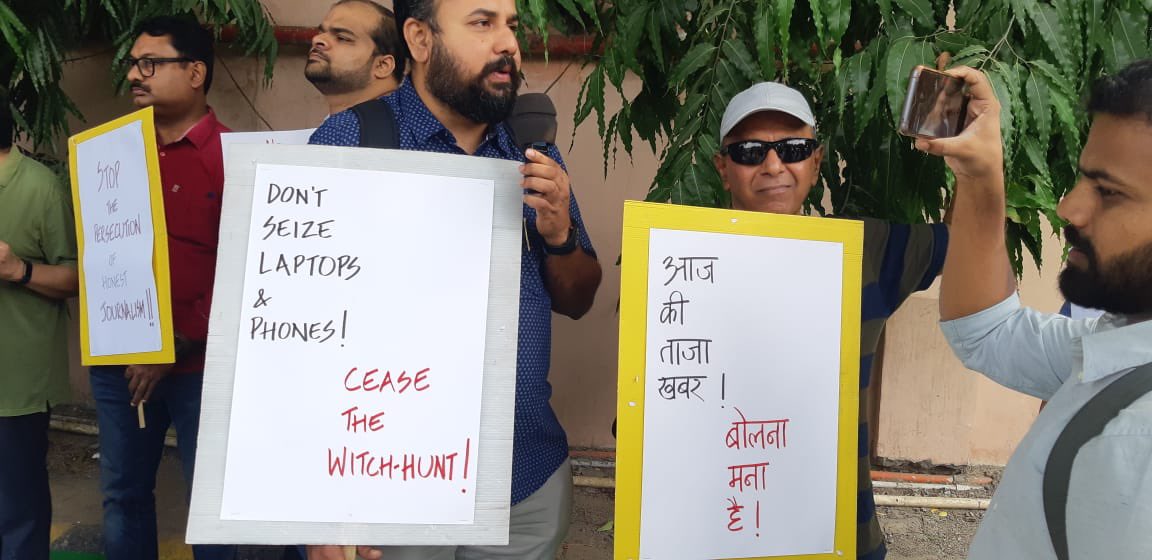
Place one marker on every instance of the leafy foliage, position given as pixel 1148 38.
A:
pixel 37 37
pixel 852 59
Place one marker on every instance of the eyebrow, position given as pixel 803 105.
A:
pixel 514 18
pixel 335 30
pixel 1099 175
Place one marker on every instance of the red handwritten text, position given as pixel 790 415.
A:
pixel 362 422
pixel 735 520
pixel 374 381
pixel 345 462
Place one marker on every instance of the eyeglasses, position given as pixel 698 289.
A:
pixel 147 66
pixel 754 152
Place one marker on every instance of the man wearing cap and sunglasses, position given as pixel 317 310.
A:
pixel 769 160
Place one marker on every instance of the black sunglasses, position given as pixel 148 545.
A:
pixel 754 152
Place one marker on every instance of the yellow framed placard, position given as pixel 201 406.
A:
pixel 125 289
pixel 738 385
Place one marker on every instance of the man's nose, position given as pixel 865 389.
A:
pixel 320 41
pixel 134 74
pixel 1078 205
pixel 772 165
pixel 507 43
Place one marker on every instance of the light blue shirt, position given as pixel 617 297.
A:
pixel 1066 362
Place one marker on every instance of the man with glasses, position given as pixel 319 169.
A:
pixel 169 69
pixel 769 160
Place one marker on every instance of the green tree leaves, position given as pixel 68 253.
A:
pixel 38 36
pixel 852 58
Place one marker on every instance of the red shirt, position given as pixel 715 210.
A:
pixel 192 175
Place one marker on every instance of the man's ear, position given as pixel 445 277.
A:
pixel 721 164
pixel 199 74
pixel 818 158
pixel 384 66
pixel 418 35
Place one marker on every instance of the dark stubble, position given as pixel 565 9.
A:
pixel 329 83
pixel 468 96
pixel 1122 286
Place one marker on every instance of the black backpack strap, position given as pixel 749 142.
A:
pixel 1086 424
pixel 377 125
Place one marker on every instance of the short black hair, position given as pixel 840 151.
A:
pixel 421 10
pixel 1127 93
pixel 386 36
pixel 189 38
pixel 7 124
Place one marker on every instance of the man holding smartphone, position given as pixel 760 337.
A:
pixel 769 160
pixel 1077 484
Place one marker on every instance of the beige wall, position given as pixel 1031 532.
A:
pixel 932 408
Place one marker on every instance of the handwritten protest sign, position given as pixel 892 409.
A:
pixel 738 386
pixel 361 357
pixel 358 319
pixel 125 306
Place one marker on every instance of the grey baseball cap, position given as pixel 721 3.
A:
pixel 766 96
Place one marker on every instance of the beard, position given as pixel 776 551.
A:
pixel 1122 286
pixel 469 97
pixel 328 82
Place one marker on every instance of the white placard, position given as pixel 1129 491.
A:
pixel 360 300
pixel 742 396
pixel 116 212
pixel 400 262
pixel 283 137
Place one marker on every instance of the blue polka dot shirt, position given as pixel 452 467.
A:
pixel 539 443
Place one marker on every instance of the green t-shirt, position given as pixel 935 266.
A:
pixel 36 221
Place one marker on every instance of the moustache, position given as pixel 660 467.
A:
pixel 1079 242
pixel 315 51
pixel 503 64
pixel 139 84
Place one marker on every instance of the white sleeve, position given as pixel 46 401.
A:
pixel 1018 347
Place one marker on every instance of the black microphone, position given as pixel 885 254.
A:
pixel 533 121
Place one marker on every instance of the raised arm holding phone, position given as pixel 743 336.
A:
pixel 1076 487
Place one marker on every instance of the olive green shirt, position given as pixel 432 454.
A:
pixel 36 221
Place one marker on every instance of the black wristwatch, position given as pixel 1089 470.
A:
pixel 565 248
pixel 27 273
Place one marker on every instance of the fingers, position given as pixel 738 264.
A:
pixel 956 145
pixel 543 175
pixel 325 552
pixel 369 553
pixel 978 85
pixel 143 389
pixel 336 552
pixel 541 170
pixel 142 380
pixel 132 374
pixel 543 187
pixel 535 156
pixel 538 203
